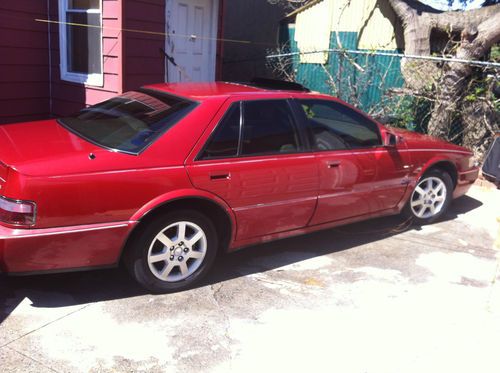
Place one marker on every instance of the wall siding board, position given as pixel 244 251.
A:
pixel 23 56
pixel 24 61
pixel 146 46
pixel 23 38
pixel 111 28
pixel 20 90
pixel 139 65
pixel 25 73
pixel 25 22
pixel 18 107
pixel 111 46
pixel 111 65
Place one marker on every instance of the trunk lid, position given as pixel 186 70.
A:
pixel 46 148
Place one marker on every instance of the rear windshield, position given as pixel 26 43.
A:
pixel 130 122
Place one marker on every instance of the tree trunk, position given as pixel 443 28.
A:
pixel 480 30
pixel 481 121
pixel 475 43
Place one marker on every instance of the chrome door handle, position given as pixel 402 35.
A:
pixel 333 164
pixel 221 176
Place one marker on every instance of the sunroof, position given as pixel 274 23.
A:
pixel 277 84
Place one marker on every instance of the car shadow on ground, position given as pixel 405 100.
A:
pixel 60 290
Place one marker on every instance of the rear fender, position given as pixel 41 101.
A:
pixel 185 194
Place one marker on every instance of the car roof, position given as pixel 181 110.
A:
pixel 202 91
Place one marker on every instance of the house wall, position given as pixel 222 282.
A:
pixel 24 82
pixel 356 25
pixel 373 21
pixel 254 27
pixel 30 76
pixel 68 97
pixel 144 63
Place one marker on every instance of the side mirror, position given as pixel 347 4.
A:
pixel 391 140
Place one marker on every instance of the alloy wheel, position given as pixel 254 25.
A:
pixel 428 198
pixel 177 251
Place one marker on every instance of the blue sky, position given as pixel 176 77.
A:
pixel 443 4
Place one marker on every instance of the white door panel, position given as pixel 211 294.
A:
pixel 191 29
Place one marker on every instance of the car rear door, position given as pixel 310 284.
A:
pixel 256 160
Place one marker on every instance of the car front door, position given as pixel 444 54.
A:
pixel 345 176
pixel 358 175
pixel 256 160
pixel 391 166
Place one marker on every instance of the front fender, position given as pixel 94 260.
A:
pixel 420 169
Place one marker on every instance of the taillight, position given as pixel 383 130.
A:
pixel 17 212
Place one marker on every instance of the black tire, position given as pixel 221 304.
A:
pixel 410 213
pixel 137 252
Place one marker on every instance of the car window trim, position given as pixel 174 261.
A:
pixel 240 130
pixel 199 156
pixel 303 143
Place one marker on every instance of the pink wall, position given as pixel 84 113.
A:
pixel 24 60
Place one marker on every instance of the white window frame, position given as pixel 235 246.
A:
pixel 88 79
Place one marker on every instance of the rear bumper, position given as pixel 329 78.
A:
pixel 63 248
pixel 465 181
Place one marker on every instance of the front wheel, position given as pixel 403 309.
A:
pixel 173 252
pixel 430 198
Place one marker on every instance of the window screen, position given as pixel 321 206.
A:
pixel 336 126
pixel 84 43
pixel 81 41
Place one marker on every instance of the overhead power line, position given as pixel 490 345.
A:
pixel 389 54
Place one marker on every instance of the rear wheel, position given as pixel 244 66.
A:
pixel 430 198
pixel 173 252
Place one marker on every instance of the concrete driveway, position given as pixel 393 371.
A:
pixel 369 297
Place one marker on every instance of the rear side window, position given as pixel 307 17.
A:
pixel 335 126
pixel 130 122
pixel 268 128
pixel 254 128
pixel 224 142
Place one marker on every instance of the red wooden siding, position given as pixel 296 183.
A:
pixel 31 87
pixel 24 81
pixel 68 97
pixel 143 61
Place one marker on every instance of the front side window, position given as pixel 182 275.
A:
pixel 130 122
pixel 334 126
pixel 254 128
pixel 80 37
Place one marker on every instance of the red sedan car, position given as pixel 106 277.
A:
pixel 164 177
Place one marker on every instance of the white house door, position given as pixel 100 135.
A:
pixel 191 27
